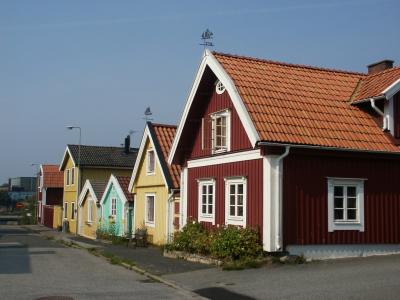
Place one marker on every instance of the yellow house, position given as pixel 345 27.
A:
pixel 83 162
pixel 89 204
pixel 155 184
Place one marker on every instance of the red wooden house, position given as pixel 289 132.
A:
pixel 50 193
pixel 307 155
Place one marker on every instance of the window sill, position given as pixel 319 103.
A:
pixel 343 226
pixel 236 222
pixel 207 218
pixel 150 224
pixel 150 174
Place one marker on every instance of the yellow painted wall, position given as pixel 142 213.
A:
pixel 88 229
pixel 70 195
pixel 151 184
pixel 70 191
pixel 57 216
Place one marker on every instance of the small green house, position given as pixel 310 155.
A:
pixel 117 206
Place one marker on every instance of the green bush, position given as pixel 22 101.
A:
pixel 229 243
pixel 108 232
pixel 192 239
pixel 234 243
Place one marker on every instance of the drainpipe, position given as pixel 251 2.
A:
pixel 279 188
pixel 374 107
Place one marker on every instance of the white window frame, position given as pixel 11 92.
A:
pixel 72 176
pixel 72 210
pixel 65 210
pixel 113 201
pixel 67 179
pixel 227 114
pixel 90 210
pixel 346 225
pixel 206 217
pixel 148 171
pixel 235 220
pixel 146 220
pixel 219 87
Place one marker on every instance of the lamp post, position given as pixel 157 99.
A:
pixel 79 174
pixel 36 199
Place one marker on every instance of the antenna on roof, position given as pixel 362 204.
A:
pixel 207 36
pixel 148 114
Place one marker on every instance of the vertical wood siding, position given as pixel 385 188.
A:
pixel 54 196
pixel 305 199
pixel 252 170
pixel 215 103
pixel 48 216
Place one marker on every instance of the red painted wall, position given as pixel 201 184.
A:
pixel 54 196
pixel 251 169
pixel 305 198
pixel 212 104
pixel 48 213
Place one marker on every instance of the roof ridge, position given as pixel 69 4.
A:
pixel 289 64
pixel 116 147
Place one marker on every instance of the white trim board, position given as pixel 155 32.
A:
pixel 224 159
pixel 61 168
pixel 244 116
pixel 392 89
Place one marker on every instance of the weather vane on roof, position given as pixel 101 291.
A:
pixel 207 36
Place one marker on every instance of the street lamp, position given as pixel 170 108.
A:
pixel 79 174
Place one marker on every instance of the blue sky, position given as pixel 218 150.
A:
pixel 99 64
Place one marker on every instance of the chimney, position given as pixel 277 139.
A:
pixel 127 144
pixel 380 66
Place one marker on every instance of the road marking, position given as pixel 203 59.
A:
pixel 10 245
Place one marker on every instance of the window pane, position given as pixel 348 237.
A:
pixel 223 141
pixel 218 141
pixel 204 209
pixel 240 200
pixel 240 211
pixel 232 211
pixel 210 209
pixel 240 189
pixel 210 199
pixel 232 200
pixel 223 121
pixel 338 191
pixel 204 199
pixel 210 189
pixel 338 214
pixel 204 188
pixel 351 214
pixel 232 189
pixel 338 202
pixel 351 202
pixel 351 191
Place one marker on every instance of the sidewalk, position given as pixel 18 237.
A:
pixel 150 259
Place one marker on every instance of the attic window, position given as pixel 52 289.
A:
pixel 219 87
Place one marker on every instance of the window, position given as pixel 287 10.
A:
pixel 67 177
pixel 72 175
pixel 219 87
pixel 65 210
pixel 90 210
pixel 113 207
pixel 221 132
pixel 235 201
pixel 149 210
pixel 206 200
pixel 345 204
pixel 72 210
pixel 150 162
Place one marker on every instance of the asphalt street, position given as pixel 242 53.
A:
pixel 32 267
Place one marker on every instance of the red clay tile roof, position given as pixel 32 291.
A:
pixel 165 136
pixel 304 105
pixel 124 183
pixel 373 85
pixel 52 177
